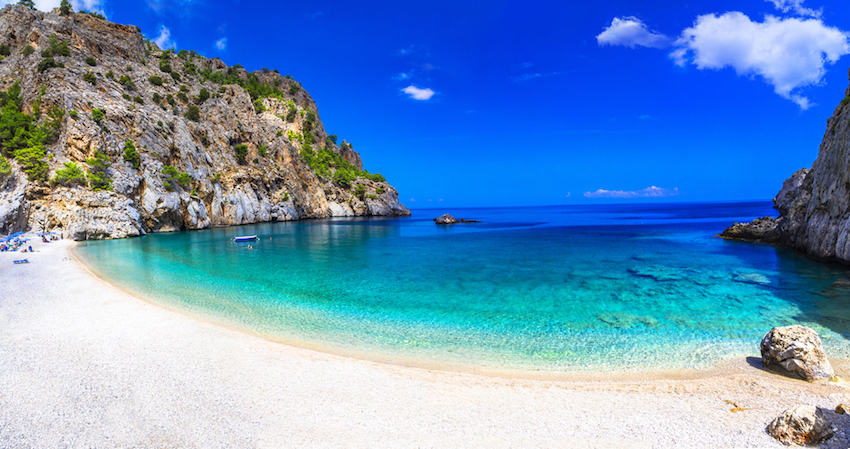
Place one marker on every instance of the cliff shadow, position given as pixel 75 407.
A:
pixel 820 290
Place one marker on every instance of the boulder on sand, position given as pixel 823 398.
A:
pixel 803 425
pixel 796 351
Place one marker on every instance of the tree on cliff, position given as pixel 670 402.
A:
pixel 65 7
pixel 28 3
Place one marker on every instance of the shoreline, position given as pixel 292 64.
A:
pixel 88 363
pixel 637 373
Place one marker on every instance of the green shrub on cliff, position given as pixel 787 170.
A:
pixel 98 176
pixel 32 161
pixel 372 177
pixel 127 82
pixel 258 106
pixel 90 77
pixel 131 155
pixel 93 14
pixel 91 61
pixel 174 177
pixel 49 63
pixel 5 168
pixel 175 76
pixel 343 178
pixel 57 47
pixel 4 50
pixel 203 96
pixel 241 152
pixel 193 113
pixel 165 65
pixel 28 50
pixel 97 114
pixel 156 80
pixel 70 175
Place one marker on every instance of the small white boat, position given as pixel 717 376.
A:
pixel 245 238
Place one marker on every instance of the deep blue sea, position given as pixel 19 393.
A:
pixel 561 288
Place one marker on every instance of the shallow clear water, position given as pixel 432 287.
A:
pixel 565 288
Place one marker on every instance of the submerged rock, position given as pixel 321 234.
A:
pixel 752 278
pixel 803 425
pixel 796 351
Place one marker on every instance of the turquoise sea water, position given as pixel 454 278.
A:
pixel 566 288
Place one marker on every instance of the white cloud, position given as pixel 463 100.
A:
pixel 221 44
pixel 630 32
pixel 788 53
pixel 417 93
pixel 796 7
pixel 413 200
pixel 649 192
pixel 403 76
pixel 526 65
pixel 164 41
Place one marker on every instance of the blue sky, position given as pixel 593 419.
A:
pixel 511 103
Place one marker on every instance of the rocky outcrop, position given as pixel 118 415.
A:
pixel 289 171
pixel 445 219
pixel 804 425
pixel 796 351
pixel 814 204
pixel 765 229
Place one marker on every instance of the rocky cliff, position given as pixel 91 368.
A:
pixel 104 135
pixel 813 204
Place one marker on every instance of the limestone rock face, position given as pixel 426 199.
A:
pixel 814 204
pixel 13 208
pixel 445 219
pixel 804 425
pixel 273 182
pixel 796 351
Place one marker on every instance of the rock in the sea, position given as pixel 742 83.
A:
pixel 445 219
pixel 765 229
pixel 796 351
pixel 803 425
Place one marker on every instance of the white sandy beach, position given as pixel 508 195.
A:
pixel 83 364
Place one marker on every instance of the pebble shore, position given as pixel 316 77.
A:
pixel 84 364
